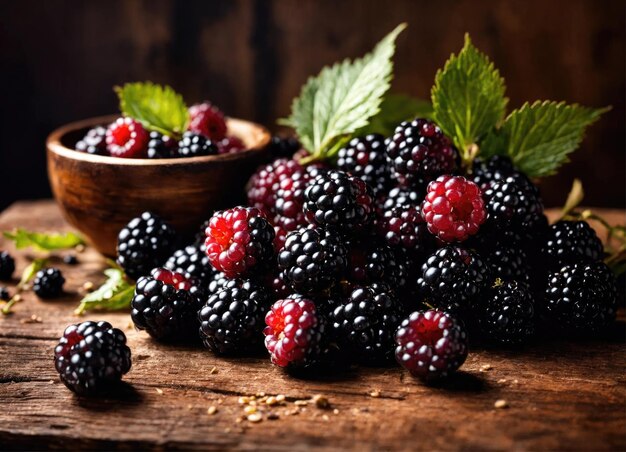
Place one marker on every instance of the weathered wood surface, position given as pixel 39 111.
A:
pixel 561 395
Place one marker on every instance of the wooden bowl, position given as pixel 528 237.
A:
pixel 98 195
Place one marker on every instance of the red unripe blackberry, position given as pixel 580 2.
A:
pixel 127 138
pixel 94 142
pixel 365 157
pixel 230 145
pixel 431 344
pixel 265 182
pixel 404 227
pixel 207 120
pixel 239 241
pixel 453 208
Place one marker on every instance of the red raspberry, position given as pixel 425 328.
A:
pixel 454 208
pixel 127 138
pixel 294 332
pixel 431 344
pixel 264 184
pixel 207 120
pixel 230 145
pixel 239 241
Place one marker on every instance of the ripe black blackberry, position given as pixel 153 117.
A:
pixel 512 201
pixel 217 283
pixel 143 244
pixel 400 197
pixel 484 172
pixel 91 356
pixel 232 320
pixel 94 142
pixel 7 266
pixel 508 264
pixel 48 283
pixel 507 316
pixel 195 145
pixel 161 146
pixel 419 152
pixel 365 323
pixel 166 305
pixel 4 294
pixel 312 260
pixel 372 262
pixel 571 242
pixel 365 157
pixel 193 263
pixel 338 202
pixel 453 279
pixel 283 147
pixel 581 298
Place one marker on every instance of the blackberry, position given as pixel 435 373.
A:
pixel 400 197
pixel 337 201
pixel 366 322
pixel 166 306
pixel 290 201
pixel 207 120
pixel 94 142
pixel 484 172
pixel 508 314
pixel 4 294
pixel 404 227
pixel 161 146
pixel 127 138
pixel 143 244
pixel 193 263
pixel 70 259
pixel 91 357
pixel 581 297
pixel 264 183
pixel 453 279
pixel 365 158
pixel 281 147
pixel 312 260
pixel 508 264
pixel 239 241
pixel 512 201
pixel 7 266
pixel 195 145
pixel 431 344
pixel 295 332
pixel 232 319
pixel 371 262
pixel 48 283
pixel 571 242
pixel 217 283
pixel 419 152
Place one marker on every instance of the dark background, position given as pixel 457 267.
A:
pixel 60 59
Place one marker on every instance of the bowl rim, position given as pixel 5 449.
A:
pixel 54 144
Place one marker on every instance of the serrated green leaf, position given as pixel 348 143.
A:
pixel 394 109
pixel 116 293
pixel 343 97
pixel 468 97
pixel 157 107
pixel 44 241
pixel 539 137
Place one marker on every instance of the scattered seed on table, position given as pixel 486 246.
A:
pixel 88 286
pixel 213 370
pixel 335 411
pixel 250 409
pixel 255 417
pixel 502 380
pixel 321 402
pixel 272 416
pixel 212 410
pixel 301 403
pixel 486 367
pixel 32 319
pixel 79 248
pixel 159 391
pixel 325 417
pixel 375 394
pixel 501 404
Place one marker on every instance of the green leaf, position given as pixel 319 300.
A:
pixel 539 137
pixel 44 241
pixel 394 109
pixel 343 97
pixel 468 97
pixel 116 293
pixel 157 107
pixel 31 270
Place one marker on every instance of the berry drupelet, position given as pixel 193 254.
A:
pixel 419 152
pixel 48 283
pixel 208 121
pixel 91 356
pixel 127 138
pixel 193 263
pixel 264 183
pixel 143 244
pixel 571 242
pixel 232 319
pixel 484 172
pixel 7 266
pixel 195 145
pixel 453 208
pixel 94 142
pixel 512 201
pixel 366 159
pixel 161 146
pixel 166 305
pixel 431 344
pixel 239 241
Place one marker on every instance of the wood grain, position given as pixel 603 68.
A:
pixel 561 395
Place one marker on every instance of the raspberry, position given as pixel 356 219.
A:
pixel 366 159
pixel 127 138
pixel 484 172
pixel 338 202
pixel 371 262
pixel 453 208
pixel 166 305
pixel 207 120
pixel 571 242
pixel 512 202
pixel 431 344
pixel 419 152
pixel 453 279
pixel 91 357
pixel 195 145
pixel 48 283
pixel 143 244
pixel 508 264
pixel 161 146
pixel 4 294
pixel 581 298
pixel 232 319
pixel 193 263
pixel 264 184
pixel 7 266
pixel 284 147
pixel 313 260
pixel 239 241
pixel 94 142
pixel 404 227
pixel 400 197
pixel 366 322
pixel 230 145
pixel 294 335
pixel 508 315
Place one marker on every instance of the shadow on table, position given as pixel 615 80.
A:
pixel 113 397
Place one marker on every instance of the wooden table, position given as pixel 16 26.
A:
pixel 560 395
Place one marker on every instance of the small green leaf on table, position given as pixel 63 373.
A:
pixel 44 241
pixel 115 294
